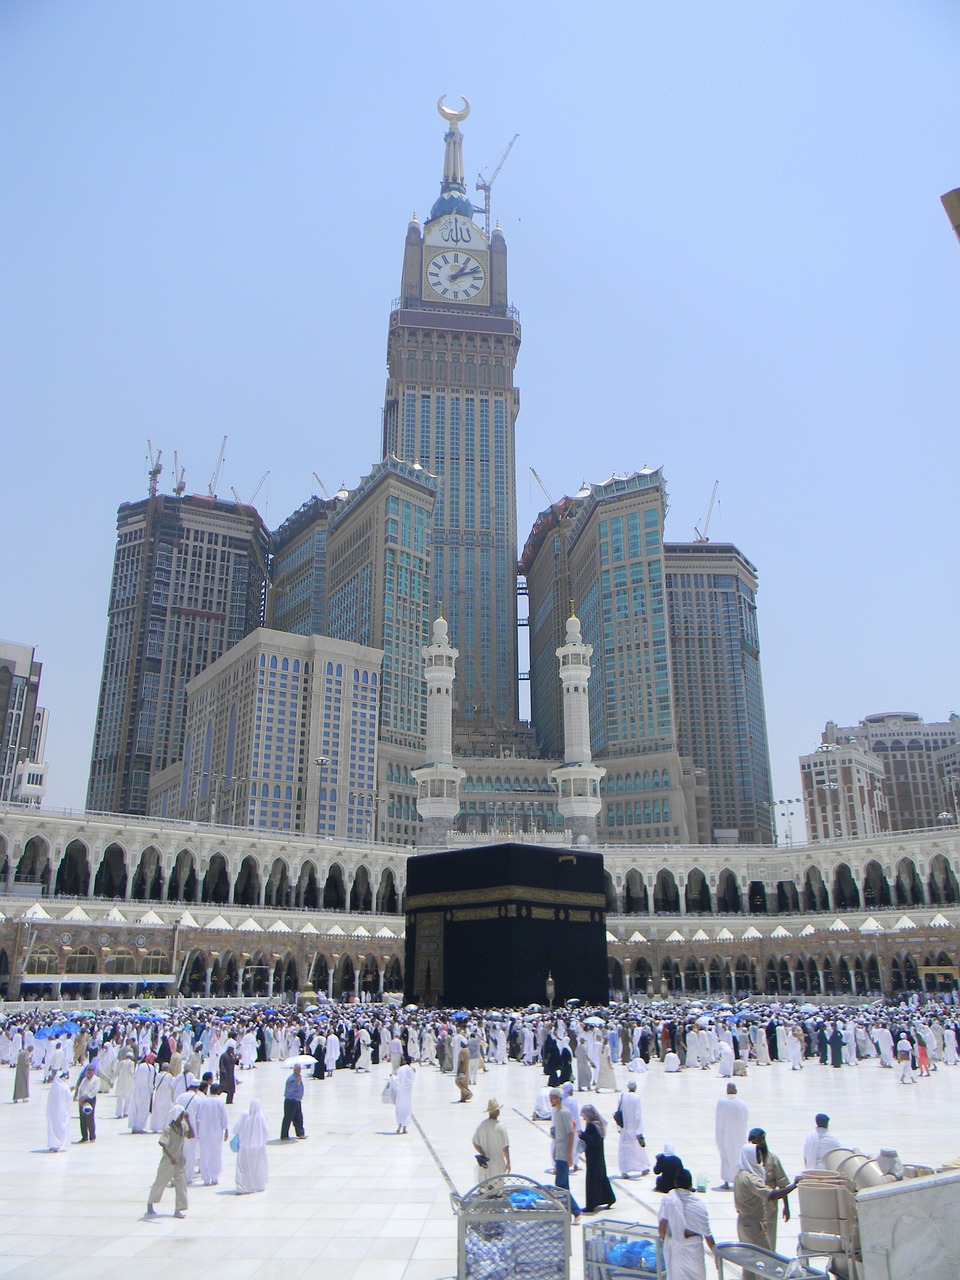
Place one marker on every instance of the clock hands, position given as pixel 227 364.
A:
pixel 471 269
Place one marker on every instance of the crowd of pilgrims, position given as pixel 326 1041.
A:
pixel 576 1044
pixel 156 1062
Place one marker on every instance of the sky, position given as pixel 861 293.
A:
pixel 725 241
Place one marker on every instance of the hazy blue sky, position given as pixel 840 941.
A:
pixel 726 244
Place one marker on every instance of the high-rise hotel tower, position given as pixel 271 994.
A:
pixel 451 406
pixel 188 582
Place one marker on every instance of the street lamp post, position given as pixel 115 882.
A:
pixel 786 811
pixel 321 762
pixel 828 788
pixel 370 819
pixel 953 780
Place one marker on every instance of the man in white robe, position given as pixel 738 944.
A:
pixel 500 1041
pixel 331 1053
pixel 125 1069
pixel 950 1055
pixel 190 1101
pixel 726 1060
pixel 819 1143
pixel 428 1047
pixel 528 1046
pixel 58 1116
pixel 732 1126
pixel 684 1226
pixel 403 1096
pixel 142 1096
pixel 214 1128
pixel 163 1093
pixel 54 1062
pixel 248 1051
pixel 631 1156
pixel 107 1066
pixel 884 1042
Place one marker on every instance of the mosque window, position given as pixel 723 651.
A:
pixel 155 961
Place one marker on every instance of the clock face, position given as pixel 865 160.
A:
pixel 455 276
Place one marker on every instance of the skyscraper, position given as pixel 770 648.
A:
pixel 378 586
pixel 23 725
pixel 379 594
pixel 451 406
pixel 189 575
pixel 298 593
pixel 281 734
pixel 718 689
pixel 603 550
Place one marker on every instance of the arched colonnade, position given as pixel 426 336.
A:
pixel 715 888
pixel 346 880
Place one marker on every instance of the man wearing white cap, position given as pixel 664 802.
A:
pixel 492 1143
pixel 732 1123
pixel 213 1129
pixel 172 1166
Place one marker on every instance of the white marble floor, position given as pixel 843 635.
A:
pixel 357 1202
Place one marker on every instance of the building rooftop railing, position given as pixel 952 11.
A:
pixel 756 852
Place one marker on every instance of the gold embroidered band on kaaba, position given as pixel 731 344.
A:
pixel 506 893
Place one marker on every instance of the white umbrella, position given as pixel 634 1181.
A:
pixel 593 1021
pixel 301 1060
pixel 410 1008
pixel 534 1008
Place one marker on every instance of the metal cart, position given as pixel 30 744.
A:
pixel 512 1227
pixel 761 1262
pixel 622 1251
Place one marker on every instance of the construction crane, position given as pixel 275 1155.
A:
pixel 260 484
pixel 702 537
pixel 179 483
pixel 212 487
pixel 155 469
pixel 323 487
pixel 484 186
pixel 543 487
pixel 240 502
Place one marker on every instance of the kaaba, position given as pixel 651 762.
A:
pixel 486 925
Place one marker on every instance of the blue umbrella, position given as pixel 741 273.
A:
pixel 42 1034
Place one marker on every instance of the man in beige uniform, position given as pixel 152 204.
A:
pixel 173 1164
pixel 772 1172
pixel 462 1077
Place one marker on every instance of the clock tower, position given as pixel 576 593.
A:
pixel 451 406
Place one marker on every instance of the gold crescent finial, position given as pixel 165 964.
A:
pixel 453 117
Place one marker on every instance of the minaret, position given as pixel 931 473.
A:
pixel 438 802
pixel 578 778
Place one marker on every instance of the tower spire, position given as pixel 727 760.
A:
pixel 453 188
